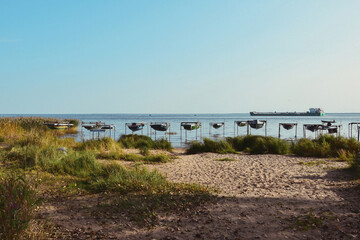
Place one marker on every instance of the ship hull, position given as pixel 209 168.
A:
pixel 295 114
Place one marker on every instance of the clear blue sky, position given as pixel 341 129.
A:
pixel 179 56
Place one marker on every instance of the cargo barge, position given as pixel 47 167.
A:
pixel 311 112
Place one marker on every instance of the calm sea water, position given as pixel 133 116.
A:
pixel 231 130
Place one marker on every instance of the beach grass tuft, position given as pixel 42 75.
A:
pixel 17 203
pixel 259 145
pixel 326 146
pixel 208 145
pixel 143 142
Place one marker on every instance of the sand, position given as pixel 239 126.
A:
pixel 259 197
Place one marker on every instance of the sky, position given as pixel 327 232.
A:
pixel 179 56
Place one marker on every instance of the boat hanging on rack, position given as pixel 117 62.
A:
pixel 217 125
pixel 256 124
pixel 241 123
pixel 191 125
pixel 288 126
pixel 92 125
pixel 160 126
pixel 136 126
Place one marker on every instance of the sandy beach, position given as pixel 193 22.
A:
pixel 258 197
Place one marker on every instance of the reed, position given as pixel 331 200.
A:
pixel 17 203
pixel 24 130
pixel 99 145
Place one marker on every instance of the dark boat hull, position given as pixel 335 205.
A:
pixel 295 114
pixel 191 127
pixel 135 128
pixel 159 127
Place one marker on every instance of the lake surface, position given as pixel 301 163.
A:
pixel 178 137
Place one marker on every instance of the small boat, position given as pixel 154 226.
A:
pixel 97 129
pixel 217 125
pixel 332 130
pixel 256 124
pixel 96 126
pixel 241 123
pixel 191 125
pixel 160 126
pixel 328 122
pixel 136 126
pixel 288 126
pixel 313 127
pixel 58 125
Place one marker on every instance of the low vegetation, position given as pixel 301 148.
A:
pixel 259 145
pixel 17 203
pixel 208 145
pixel 144 142
pixel 250 144
pixel 63 167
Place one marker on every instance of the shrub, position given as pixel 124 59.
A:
pixel 140 141
pixel 162 144
pixel 17 202
pixel 209 145
pixel 259 144
pixel 355 164
pixel 326 146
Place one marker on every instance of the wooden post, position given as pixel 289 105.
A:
pixel 180 134
pixel 224 129
pixel 279 129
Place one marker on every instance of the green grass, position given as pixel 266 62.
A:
pixel 259 145
pixel 17 203
pixel 250 144
pixel 209 145
pixel 141 142
pixel 131 157
pixel 99 145
pixel 326 146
